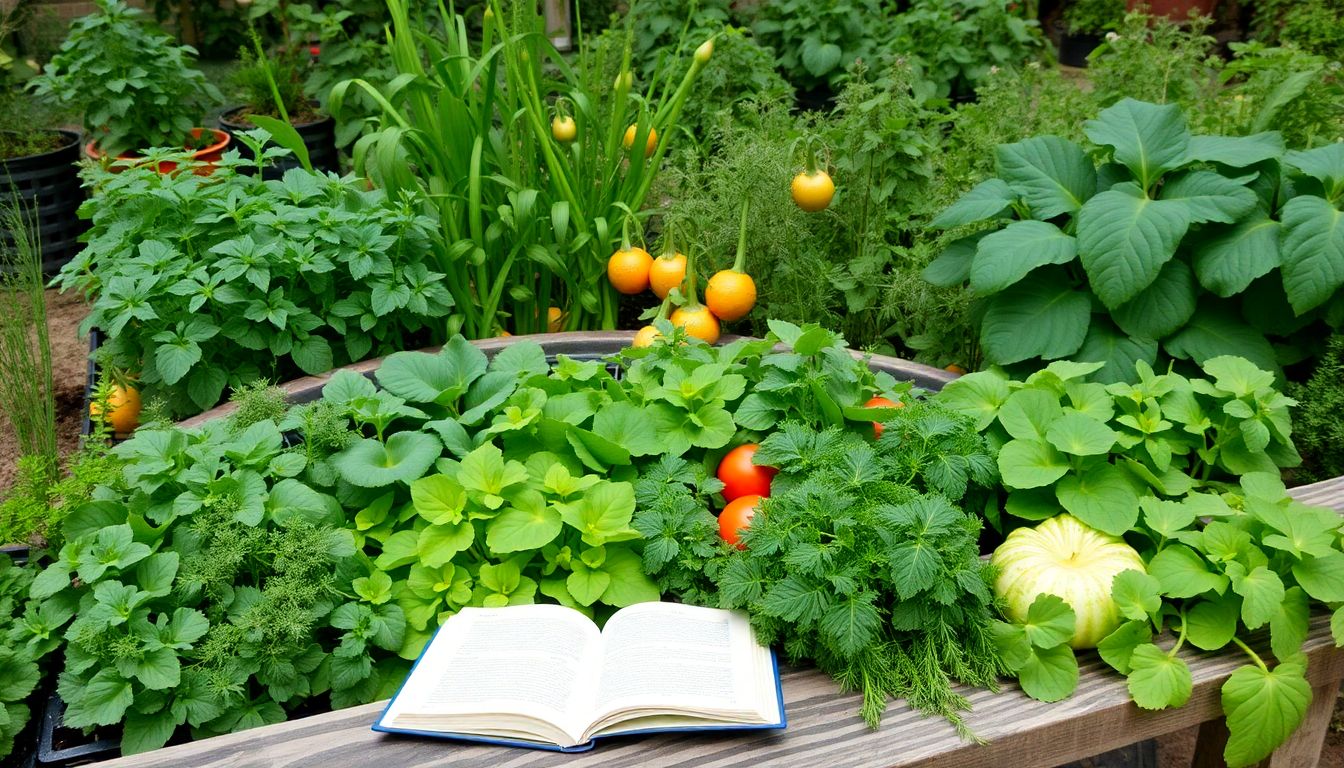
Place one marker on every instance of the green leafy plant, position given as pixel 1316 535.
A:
pixel 299 274
pixel 134 85
pixel 1092 17
pixel 1152 58
pixel 1320 433
pixel 1187 470
pixel 19 673
pixel 1171 246
pixel 529 222
pixel 957 43
pixel 1295 93
pixel 1313 26
pixel 816 43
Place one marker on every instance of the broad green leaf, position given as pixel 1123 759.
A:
pixel 820 58
pixel 1262 594
pixel 914 567
pixel 1313 251
pixel 420 377
pixel 142 733
pixel 1237 151
pixel 1136 594
pixel 629 584
pixel 1156 680
pixel 1163 307
pixel 1124 239
pixel 1291 624
pixel 979 395
pixel 1322 577
pixel 156 669
pixel 1216 330
pixel 1049 674
pixel 1006 256
pixel 1034 504
pixel 1337 626
pixel 1031 464
pixel 1149 139
pixel 368 463
pixel 102 701
pixel 521 359
pixel 1043 317
pixel 852 624
pixel 401 548
pixel 439 499
pixel 1050 622
pixel 1263 708
pixel 626 425
pixel 1324 163
pixel 1080 435
pixel 1030 413
pixel 1103 496
pixel 989 199
pixel 1053 174
pixel 1227 260
pixel 1183 573
pixel 1011 640
pixel 586 585
pixel 439 544
pixel 1118 647
pixel 1118 351
pixel 174 360
pixel 1166 518
pixel 527 523
pixel 312 355
pixel 1210 196
pixel 1211 623
pixel 603 512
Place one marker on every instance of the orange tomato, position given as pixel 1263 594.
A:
pixel 123 409
pixel 743 477
pixel 555 319
pixel 666 273
pixel 649 145
pixel 645 336
pixel 698 322
pixel 813 191
pixel 881 402
pixel 730 295
pixel 628 270
pixel 957 369
pixel 736 518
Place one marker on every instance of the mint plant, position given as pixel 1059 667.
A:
pixel 1163 245
pixel 19 673
pixel 203 284
pixel 135 85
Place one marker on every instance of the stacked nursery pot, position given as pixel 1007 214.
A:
pixel 44 185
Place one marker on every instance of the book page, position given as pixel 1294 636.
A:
pixel 487 662
pixel 660 657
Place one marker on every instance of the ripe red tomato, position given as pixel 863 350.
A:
pixel 740 477
pixel 881 402
pixel 736 517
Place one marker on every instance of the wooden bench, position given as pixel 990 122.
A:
pixel 824 727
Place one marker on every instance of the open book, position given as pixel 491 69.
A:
pixel 544 676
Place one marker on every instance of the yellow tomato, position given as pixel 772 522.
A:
pixel 564 129
pixel 628 270
pixel 124 409
pixel 698 322
pixel 649 145
pixel 813 191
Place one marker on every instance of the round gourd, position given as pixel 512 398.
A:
pixel 1063 557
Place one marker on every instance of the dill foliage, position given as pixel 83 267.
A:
pixel 860 560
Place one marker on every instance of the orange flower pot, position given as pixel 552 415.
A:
pixel 206 156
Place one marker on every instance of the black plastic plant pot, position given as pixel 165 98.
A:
pixel 17 552
pixel 62 747
pixel 46 187
pixel 1074 49
pixel 319 137
pixel 24 754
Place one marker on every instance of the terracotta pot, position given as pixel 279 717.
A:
pixel 206 156
pixel 1176 10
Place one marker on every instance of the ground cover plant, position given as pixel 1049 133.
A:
pixel 203 284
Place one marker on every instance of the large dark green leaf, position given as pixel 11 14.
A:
pixel 987 200
pixel 1006 256
pixel 1237 151
pixel 1149 139
pixel 1163 307
pixel 1053 174
pixel 1210 196
pixel 1313 251
pixel 1325 164
pixel 953 265
pixel 370 464
pixel 1044 317
pixel 1227 260
pixel 1124 238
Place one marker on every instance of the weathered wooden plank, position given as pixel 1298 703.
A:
pixel 824 730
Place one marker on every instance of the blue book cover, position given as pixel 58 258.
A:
pixel 383 724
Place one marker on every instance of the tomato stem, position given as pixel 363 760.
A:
pixel 740 262
pixel 692 297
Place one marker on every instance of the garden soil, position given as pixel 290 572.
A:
pixel 69 357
